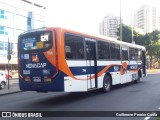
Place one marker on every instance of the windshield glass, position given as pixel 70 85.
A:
pixel 36 40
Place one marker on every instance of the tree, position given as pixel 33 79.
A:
pixel 126 33
pixel 157 53
pixel 140 39
pixel 150 40
pixel 152 45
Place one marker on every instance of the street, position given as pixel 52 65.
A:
pixel 144 96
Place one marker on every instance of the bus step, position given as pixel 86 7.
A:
pixel 92 89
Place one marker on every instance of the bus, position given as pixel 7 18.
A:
pixel 56 59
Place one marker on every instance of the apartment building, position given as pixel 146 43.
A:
pixel 147 18
pixel 109 26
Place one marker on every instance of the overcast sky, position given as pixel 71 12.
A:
pixel 85 15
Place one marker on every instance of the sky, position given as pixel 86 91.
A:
pixel 85 15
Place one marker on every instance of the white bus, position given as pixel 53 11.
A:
pixel 57 59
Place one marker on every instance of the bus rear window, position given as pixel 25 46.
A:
pixel 36 40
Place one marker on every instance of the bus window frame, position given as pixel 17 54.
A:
pixel 137 50
pixel 119 45
pixel 98 51
pixel 68 33
pixel 110 59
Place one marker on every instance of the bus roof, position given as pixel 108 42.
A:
pixel 104 38
pixel 121 42
pixel 98 37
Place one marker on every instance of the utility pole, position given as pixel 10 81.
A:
pixel 120 23
pixel 132 28
pixel 9 58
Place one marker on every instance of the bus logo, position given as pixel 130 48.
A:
pixel 123 68
pixel 35 58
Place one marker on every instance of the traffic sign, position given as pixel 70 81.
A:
pixel 9 57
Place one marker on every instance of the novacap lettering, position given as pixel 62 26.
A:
pixel 36 65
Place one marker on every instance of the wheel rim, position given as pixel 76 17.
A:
pixel 2 85
pixel 106 84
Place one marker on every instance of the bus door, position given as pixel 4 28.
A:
pixel 91 64
pixel 124 65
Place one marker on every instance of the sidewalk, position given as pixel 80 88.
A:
pixel 153 70
pixel 13 87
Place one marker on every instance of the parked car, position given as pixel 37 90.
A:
pixel 10 75
pixel 3 80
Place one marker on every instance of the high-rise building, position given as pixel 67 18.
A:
pixel 17 16
pixel 147 18
pixel 109 26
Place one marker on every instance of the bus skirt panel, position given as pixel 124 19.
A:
pixel 57 84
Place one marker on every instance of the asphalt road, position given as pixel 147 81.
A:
pixel 144 96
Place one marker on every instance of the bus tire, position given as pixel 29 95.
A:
pixel 138 79
pixel 2 85
pixel 107 83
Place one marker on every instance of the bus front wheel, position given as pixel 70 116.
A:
pixel 107 83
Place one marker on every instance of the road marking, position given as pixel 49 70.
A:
pixel 147 118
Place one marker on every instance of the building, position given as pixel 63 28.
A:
pixel 17 16
pixel 109 26
pixel 147 18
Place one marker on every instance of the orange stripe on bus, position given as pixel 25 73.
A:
pixel 102 71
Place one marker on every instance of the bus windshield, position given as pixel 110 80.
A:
pixel 36 40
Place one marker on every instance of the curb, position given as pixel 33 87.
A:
pixel 8 93
pixel 150 71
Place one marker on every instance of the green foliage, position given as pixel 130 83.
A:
pixel 126 33
pixel 152 43
pixel 150 40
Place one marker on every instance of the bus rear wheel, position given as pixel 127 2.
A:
pixel 107 84
pixel 2 85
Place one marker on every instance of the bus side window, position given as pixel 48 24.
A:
pixel 103 50
pixel 69 55
pixel 124 53
pixel 81 53
pixel 139 55
pixel 114 51
pixel 74 47
pixel 131 54
pixel 68 52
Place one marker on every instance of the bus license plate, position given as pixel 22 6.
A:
pixel 36 79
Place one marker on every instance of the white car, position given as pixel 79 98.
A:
pixel 3 80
